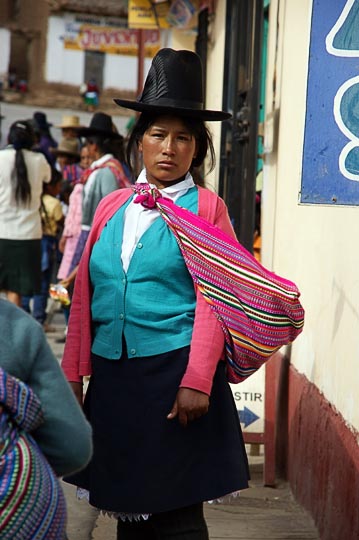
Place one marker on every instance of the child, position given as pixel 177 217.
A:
pixel 52 219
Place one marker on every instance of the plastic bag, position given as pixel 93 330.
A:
pixel 60 293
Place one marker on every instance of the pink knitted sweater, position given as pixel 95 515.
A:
pixel 207 342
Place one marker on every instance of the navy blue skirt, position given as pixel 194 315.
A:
pixel 144 463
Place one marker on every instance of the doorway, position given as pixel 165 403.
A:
pixel 243 95
pixel 19 60
pixel 94 65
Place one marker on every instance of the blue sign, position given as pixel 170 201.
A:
pixel 330 172
pixel 247 417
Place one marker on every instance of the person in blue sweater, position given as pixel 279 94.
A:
pixel 65 437
pixel 57 426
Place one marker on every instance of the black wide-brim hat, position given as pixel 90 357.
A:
pixel 174 85
pixel 101 125
pixel 40 120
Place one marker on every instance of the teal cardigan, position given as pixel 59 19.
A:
pixel 121 302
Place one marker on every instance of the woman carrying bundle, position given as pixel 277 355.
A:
pixel 166 431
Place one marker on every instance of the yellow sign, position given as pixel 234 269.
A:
pixel 112 40
pixel 141 14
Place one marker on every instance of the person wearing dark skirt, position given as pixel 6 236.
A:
pixel 22 173
pixel 166 431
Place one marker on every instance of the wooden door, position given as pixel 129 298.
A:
pixel 94 64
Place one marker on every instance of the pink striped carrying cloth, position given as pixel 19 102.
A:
pixel 259 312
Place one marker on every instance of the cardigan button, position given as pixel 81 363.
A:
pixel 133 351
pixel 139 245
pixel 121 316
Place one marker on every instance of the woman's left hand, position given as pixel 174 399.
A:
pixel 189 405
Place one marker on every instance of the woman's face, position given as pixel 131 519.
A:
pixel 168 149
pixel 85 160
pixel 69 133
pixel 63 160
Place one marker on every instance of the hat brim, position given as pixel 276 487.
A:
pixel 200 114
pixel 58 153
pixel 64 126
pixel 88 132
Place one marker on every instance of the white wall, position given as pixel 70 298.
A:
pixel 54 50
pixel 62 65
pixel 120 71
pixel 215 68
pixel 73 67
pixel 5 52
pixel 315 245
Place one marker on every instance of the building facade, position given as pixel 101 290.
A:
pixel 309 222
pixel 310 219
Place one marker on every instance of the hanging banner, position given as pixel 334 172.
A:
pixel 108 39
pixel 142 15
pixel 181 13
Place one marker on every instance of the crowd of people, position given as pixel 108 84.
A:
pixel 143 325
pixel 48 193
pixel 47 189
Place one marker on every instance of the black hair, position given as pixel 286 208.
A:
pixel 70 159
pixel 196 127
pixel 106 145
pixel 118 149
pixel 56 177
pixel 21 137
pixel 36 132
pixel 66 190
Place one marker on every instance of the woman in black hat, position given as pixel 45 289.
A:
pixel 105 174
pixel 166 431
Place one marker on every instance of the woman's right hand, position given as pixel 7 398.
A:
pixel 65 283
pixel 77 388
pixel 189 405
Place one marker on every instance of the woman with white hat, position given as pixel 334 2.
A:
pixel 166 431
